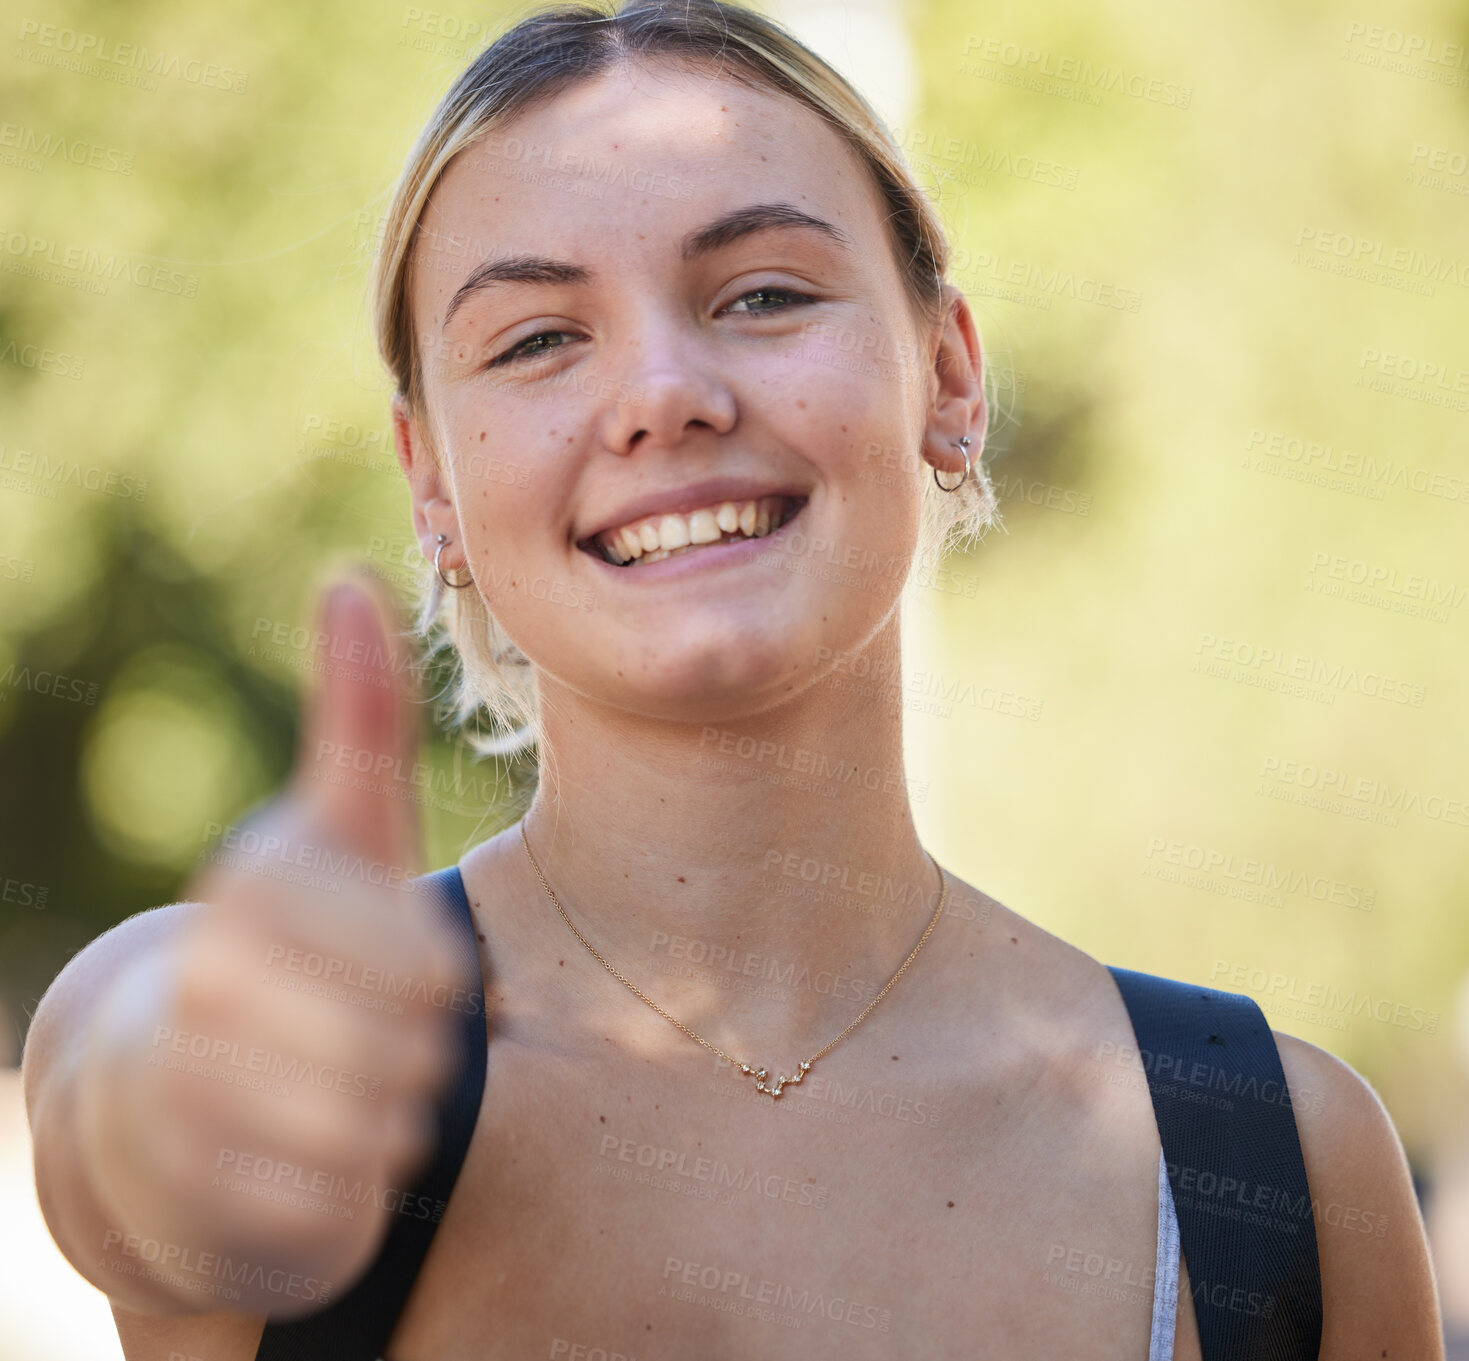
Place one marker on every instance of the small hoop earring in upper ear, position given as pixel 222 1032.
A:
pixel 453 585
pixel 963 448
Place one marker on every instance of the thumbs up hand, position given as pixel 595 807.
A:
pixel 260 1087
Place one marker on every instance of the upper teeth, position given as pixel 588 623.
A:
pixel 656 536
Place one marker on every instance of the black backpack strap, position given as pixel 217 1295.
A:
pixel 357 1326
pixel 1234 1165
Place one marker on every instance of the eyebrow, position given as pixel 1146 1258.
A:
pixel 725 230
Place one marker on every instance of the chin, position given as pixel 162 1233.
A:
pixel 724 678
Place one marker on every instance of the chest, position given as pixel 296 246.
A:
pixel 656 1205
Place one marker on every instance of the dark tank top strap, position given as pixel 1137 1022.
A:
pixel 357 1326
pixel 1235 1167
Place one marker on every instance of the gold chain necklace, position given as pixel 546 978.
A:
pixel 759 1074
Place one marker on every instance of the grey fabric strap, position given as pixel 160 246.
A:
pixel 1165 1273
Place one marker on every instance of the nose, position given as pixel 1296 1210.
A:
pixel 668 384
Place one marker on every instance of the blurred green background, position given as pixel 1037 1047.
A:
pixel 1221 265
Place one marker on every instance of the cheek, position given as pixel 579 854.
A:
pixel 502 512
pixel 505 483
pixel 879 481
pixel 888 519
pixel 860 411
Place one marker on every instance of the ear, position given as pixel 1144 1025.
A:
pixel 958 405
pixel 433 501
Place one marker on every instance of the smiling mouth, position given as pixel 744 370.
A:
pixel 669 536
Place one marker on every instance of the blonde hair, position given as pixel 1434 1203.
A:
pixel 532 62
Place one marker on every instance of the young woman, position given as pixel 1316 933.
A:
pixel 683 400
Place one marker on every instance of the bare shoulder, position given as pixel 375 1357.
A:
pixel 1378 1291
pixel 1377 1285
pixel 1039 995
pixel 1041 965
pixel 219 1336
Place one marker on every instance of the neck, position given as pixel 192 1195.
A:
pixel 760 879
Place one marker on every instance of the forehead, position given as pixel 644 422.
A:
pixel 631 160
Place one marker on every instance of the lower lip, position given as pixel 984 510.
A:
pixel 733 554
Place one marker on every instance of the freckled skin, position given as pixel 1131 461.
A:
pixel 762 391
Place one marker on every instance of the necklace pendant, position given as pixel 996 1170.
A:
pixel 760 1074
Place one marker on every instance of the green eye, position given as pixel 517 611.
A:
pixel 788 294
pixel 528 348
pixel 543 342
